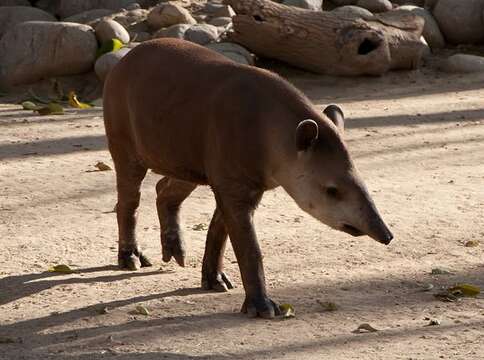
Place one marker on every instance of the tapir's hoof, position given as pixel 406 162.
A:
pixel 130 261
pixel 262 307
pixel 217 282
pixel 173 246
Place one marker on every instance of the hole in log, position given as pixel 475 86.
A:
pixel 258 18
pixel 367 46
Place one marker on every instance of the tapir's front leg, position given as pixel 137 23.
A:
pixel 213 277
pixel 238 208
pixel 170 195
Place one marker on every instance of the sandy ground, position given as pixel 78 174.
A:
pixel 418 139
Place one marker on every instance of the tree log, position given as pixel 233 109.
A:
pixel 326 42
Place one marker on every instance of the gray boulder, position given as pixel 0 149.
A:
pixel 375 6
pixel 13 15
pixel 431 31
pixel 107 61
pixel 463 63
pixel 352 11
pixel 110 29
pixel 315 5
pixel 201 34
pixel 175 31
pixel 168 14
pixel 234 52
pixel 461 21
pixel 89 16
pixel 34 50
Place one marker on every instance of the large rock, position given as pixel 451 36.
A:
pixel 14 3
pixel 431 31
pixel 375 6
pixel 461 21
pixel 175 31
pixel 463 63
pixel 352 11
pixel 168 14
pixel 13 15
pixel 89 16
pixel 234 52
pixel 201 34
pixel 66 8
pixel 34 50
pixel 107 61
pixel 315 5
pixel 110 29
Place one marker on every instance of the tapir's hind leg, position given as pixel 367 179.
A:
pixel 170 195
pixel 129 175
pixel 213 277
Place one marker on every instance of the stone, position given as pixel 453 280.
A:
pixel 15 3
pixel 375 6
pixel 131 18
pixel 107 61
pixel 463 63
pixel 221 21
pixel 315 5
pixel 224 11
pixel 353 11
pixel 168 14
pixel 13 15
pixel 140 36
pixel 460 21
pixel 89 16
pixel 431 31
pixel 234 52
pixel 35 50
pixel 201 34
pixel 175 31
pixel 110 29
pixel 66 8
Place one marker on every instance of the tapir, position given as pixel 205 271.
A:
pixel 198 118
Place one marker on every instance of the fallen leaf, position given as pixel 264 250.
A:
pixel 29 105
pixel 287 311
pixel 109 46
pixel 472 243
pixel 363 328
pixel 464 290
pixel 102 166
pixel 140 309
pixel 328 305
pixel 440 271
pixel 200 227
pixel 427 287
pixel 51 109
pixel 75 103
pixel 62 268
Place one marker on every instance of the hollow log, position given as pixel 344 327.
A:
pixel 326 42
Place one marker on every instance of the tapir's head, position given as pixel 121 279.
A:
pixel 324 182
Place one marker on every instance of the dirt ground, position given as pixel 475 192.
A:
pixel 417 138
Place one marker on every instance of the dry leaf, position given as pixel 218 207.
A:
pixel 75 103
pixel 200 227
pixel 62 268
pixel 102 166
pixel 328 305
pixel 472 243
pixel 440 271
pixel 363 328
pixel 287 311
pixel 140 309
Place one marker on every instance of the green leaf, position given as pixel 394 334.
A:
pixel 51 109
pixel 328 305
pixel 29 105
pixel 109 46
pixel 464 290
pixel 140 309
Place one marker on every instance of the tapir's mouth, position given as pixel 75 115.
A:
pixel 351 230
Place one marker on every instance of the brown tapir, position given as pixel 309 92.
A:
pixel 198 118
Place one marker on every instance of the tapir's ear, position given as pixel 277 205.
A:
pixel 335 114
pixel 306 132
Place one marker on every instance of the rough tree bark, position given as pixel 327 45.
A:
pixel 329 43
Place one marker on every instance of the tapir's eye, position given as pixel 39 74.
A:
pixel 332 192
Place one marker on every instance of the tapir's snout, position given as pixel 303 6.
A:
pixel 379 231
